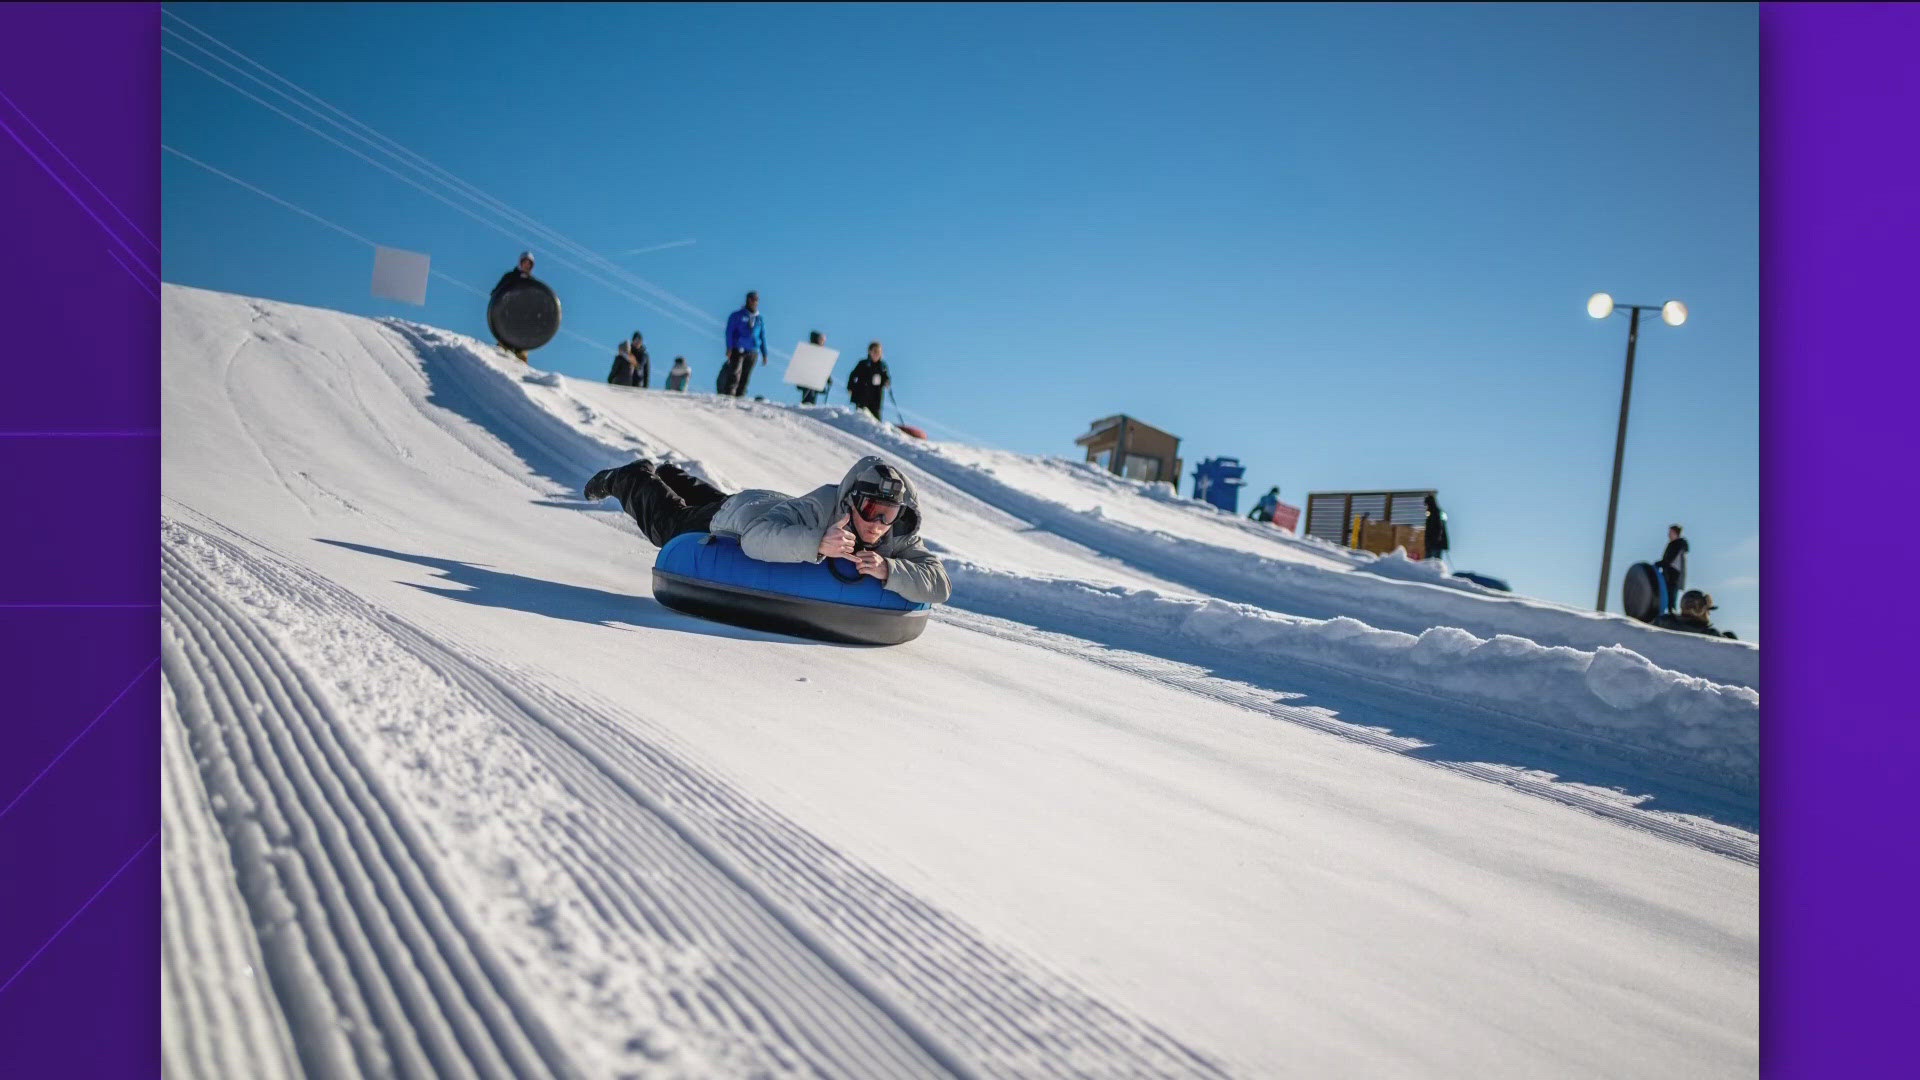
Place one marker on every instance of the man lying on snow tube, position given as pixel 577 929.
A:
pixel 755 558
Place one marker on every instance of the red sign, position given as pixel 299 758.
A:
pixel 1287 517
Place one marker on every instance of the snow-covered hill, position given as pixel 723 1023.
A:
pixel 1160 793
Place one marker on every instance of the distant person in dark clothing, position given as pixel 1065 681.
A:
pixel 1436 531
pixel 1673 565
pixel 678 373
pixel 746 347
pixel 867 386
pixel 1692 619
pixel 622 373
pixel 642 366
pixel 808 395
pixel 522 272
pixel 1268 505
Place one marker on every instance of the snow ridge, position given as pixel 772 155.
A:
pixel 1408 606
pixel 1653 717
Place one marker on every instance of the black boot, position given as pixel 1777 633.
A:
pixel 607 482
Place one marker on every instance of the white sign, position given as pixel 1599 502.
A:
pixel 811 367
pixel 400 275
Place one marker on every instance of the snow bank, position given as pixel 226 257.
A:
pixel 1313 592
pixel 1401 567
pixel 1643 713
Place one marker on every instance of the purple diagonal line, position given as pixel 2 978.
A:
pixel 79 171
pixel 74 195
pixel 24 605
pixel 79 435
pixel 45 945
pixel 82 735
pixel 134 274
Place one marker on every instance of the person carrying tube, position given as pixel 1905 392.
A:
pixel 521 272
pixel 1268 505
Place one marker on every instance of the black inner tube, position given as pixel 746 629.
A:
pixel 526 315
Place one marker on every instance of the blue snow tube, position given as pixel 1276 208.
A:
pixel 709 576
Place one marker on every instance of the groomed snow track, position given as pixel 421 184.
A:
pixel 792 959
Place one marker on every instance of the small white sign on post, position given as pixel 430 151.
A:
pixel 400 275
pixel 811 367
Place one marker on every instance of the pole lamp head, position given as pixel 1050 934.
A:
pixel 1600 305
pixel 1673 313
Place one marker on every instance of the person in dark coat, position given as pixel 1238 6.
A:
pixel 678 373
pixel 1268 505
pixel 1673 565
pixel 808 395
pixel 1693 616
pixel 746 347
pixel 642 366
pixel 1436 532
pixel 622 373
pixel 522 272
pixel 867 385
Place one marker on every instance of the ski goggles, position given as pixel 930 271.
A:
pixel 877 511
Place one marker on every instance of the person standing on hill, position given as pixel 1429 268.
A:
pixel 622 373
pixel 642 367
pixel 1436 531
pixel 521 272
pixel 678 373
pixel 746 347
pixel 1673 565
pixel 1268 505
pixel 808 395
pixel 867 386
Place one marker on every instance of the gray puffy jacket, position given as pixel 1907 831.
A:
pixel 776 527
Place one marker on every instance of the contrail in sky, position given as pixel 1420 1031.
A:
pixel 656 247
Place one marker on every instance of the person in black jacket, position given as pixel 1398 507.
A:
pixel 622 373
pixel 1436 532
pixel 867 386
pixel 522 271
pixel 1673 565
pixel 642 367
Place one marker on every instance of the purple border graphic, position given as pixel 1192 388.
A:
pixel 79 596
pixel 79 766
pixel 1840 233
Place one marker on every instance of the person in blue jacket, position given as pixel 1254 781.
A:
pixel 746 347
pixel 1268 505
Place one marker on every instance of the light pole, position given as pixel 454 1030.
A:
pixel 1600 305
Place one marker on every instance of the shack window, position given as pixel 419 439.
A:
pixel 1140 467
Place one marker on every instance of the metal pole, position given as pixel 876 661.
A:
pixel 1619 451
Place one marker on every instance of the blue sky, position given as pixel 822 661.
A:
pixel 1350 246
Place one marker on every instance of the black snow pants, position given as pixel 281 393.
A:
pixel 664 500
pixel 741 363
